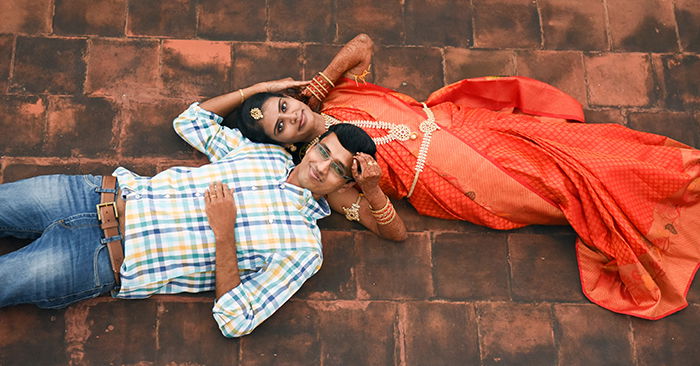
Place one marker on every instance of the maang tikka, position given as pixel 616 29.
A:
pixel 256 113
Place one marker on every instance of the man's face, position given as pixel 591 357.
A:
pixel 325 167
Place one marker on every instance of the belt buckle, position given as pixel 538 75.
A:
pixel 105 204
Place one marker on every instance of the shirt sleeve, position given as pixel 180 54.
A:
pixel 258 296
pixel 203 131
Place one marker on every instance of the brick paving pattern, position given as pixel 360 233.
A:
pixel 88 85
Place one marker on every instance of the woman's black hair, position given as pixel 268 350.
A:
pixel 251 128
pixel 353 138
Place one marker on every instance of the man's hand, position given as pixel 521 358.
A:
pixel 221 210
pixel 366 171
pixel 276 86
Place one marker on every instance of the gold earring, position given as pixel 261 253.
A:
pixel 291 147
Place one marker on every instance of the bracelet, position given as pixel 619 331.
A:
pixel 242 95
pixel 353 213
pixel 327 79
pixel 384 215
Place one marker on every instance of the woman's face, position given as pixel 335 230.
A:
pixel 287 120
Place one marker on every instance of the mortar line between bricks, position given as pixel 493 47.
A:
pixel 676 28
pixel 541 21
pixel 556 334
pixel 608 31
pixel 632 341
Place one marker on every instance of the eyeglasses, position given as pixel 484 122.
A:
pixel 336 166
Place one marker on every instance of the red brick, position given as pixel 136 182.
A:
pixel 336 222
pixel 506 24
pixel 80 126
pixel 585 330
pixel 171 18
pixel 441 334
pixel 419 223
pixel 619 79
pixel 335 279
pixel 122 67
pixel 358 333
pixel 614 115
pixel 471 266
pixel 515 334
pixel 414 71
pixel 288 337
pixel 544 268
pixel 642 25
pixel 682 84
pixel 463 63
pixel 15 172
pixel 49 65
pixel 301 20
pixel 192 324
pixel 242 20
pixel 672 341
pixel 7 43
pixel 381 20
pixel 31 336
pixel 254 63
pixel 389 270
pixel 438 23
pixel 563 69
pixel 148 130
pixel 27 112
pixel 101 17
pixel 694 292
pixel 688 20
pixel 574 25
pixel 122 332
pixel 683 127
pixel 28 17
pixel 193 68
pixel 317 57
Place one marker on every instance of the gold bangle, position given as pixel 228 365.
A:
pixel 387 219
pixel 242 95
pixel 327 79
pixel 380 211
pixel 318 83
pixel 314 93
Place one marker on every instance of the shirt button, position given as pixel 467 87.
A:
pixel 138 196
pixel 253 188
pixel 270 221
pixel 282 186
pixel 167 196
pixel 198 194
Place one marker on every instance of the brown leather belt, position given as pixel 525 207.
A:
pixel 108 213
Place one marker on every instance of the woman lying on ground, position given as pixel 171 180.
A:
pixel 505 153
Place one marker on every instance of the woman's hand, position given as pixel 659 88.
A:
pixel 221 210
pixel 366 172
pixel 276 86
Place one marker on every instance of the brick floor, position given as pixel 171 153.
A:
pixel 86 86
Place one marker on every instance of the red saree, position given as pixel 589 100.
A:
pixel 632 197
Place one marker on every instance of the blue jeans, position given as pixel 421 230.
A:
pixel 66 262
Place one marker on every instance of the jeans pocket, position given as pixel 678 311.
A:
pixel 94 181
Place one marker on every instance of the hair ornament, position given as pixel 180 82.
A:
pixel 256 113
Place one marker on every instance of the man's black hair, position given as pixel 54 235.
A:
pixel 353 138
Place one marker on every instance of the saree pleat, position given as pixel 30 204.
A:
pixel 632 197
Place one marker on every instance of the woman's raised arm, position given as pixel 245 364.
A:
pixel 352 61
pixel 225 103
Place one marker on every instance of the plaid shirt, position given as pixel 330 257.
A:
pixel 170 248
